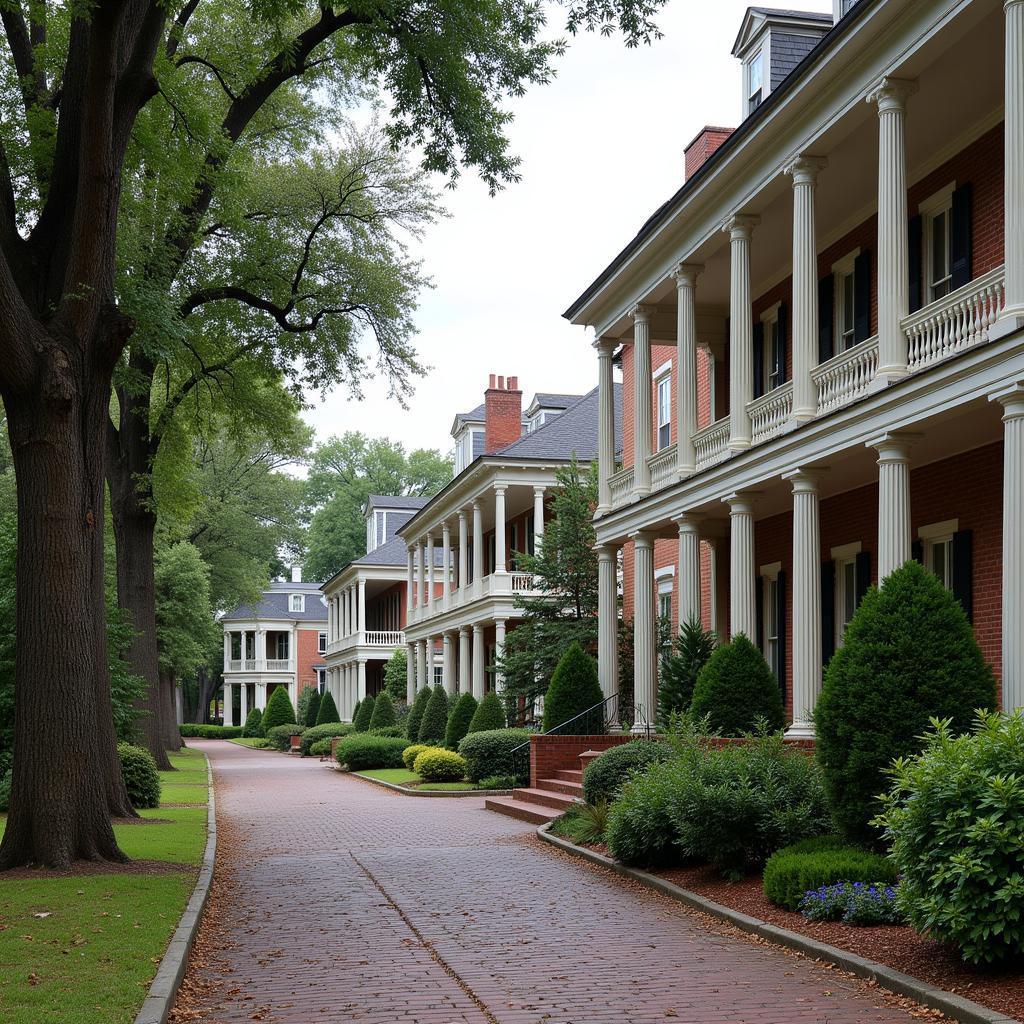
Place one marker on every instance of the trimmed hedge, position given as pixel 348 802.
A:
pixel 320 732
pixel 253 727
pixel 141 778
pixel 411 752
pixel 435 764
pixel 604 777
pixel 192 730
pixel 279 710
pixel 459 720
pixel 312 709
pixel 280 737
pixel 435 718
pixel 322 748
pixel 383 711
pixel 490 753
pixel 364 715
pixel 361 751
pixel 327 714
pixel 574 688
pixel 736 689
pixel 419 705
pixel 489 715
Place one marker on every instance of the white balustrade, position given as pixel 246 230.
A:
pixel 711 443
pixel 621 486
pixel 771 414
pixel 522 582
pixel 250 665
pixel 663 467
pixel 846 376
pixel 235 666
pixel 278 665
pixel 384 638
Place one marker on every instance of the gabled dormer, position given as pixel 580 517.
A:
pixel 385 514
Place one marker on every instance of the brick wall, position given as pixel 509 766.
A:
pixel 549 754
pixel 706 141
pixel 307 655
pixel 503 405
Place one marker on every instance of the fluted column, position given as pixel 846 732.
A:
pixel 742 600
pixel 448 664
pixel 1013 158
pixel 538 519
pixel 605 424
pixel 499 529
pixel 478 543
pixel 499 651
pixel 804 172
pixel 478 662
pixel 463 551
pixel 410 582
pixel 410 673
pixel 421 595
pixel 643 382
pixel 243 703
pixel 686 366
pixel 689 568
pixel 806 601
pixel 446 563
pixel 229 711
pixel 422 666
pixel 465 664
pixel 893 501
pixel 361 605
pixel 741 330
pixel 430 570
pixel 361 678
pixel 645 676
pixel 607 620
pixel 890 96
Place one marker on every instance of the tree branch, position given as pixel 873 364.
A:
pixel 178 28
pixel 279 313
pixel 191 58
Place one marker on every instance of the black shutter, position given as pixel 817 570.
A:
pixel 828 611
pixel 960 236
pixel 862 574
pixel 917 550
pixel 758 359
pixel 780 628
pixel 862 297
pixel 963 588
pixel 759 615
pixel 826 316
pixel 914 264
pixel 780 350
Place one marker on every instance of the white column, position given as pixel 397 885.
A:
pixel 742 600
pixel 478 662
pixel 227 650
pixel 645 676
pixel 689 568
pixel 741 330
pixel 686 366
pixel 806 601
pixel 422 667
pixel 261 649
pixel 1013 159
pixel 410 673
pixel 891 97
pixel 243 702
pixel 430 570
pixel 361 678
pixel 463 551
pixel 448 664
pixel 893 501
pixel 446 564
pixel 499 645
pixel 538 519
pixel 478 543
pixel 499 530
pixel 229 713
pixel 643 382
pixel 410 582
pixel 346 607
pixel 361 606
pixel 465 679
pixel 1012 401
pixel 421 597
pixel 605 424
pixel 607 620
pixel 804 172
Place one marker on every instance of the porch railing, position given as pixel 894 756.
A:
pixel 235 665
pixel 522 582
pixel 846 376
pixel 384 638
pixel 663 467
pixel 278 664
pixel 621 485
pixel 770 413
pixel 250 664
pixel 712 443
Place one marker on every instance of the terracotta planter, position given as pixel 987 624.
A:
pixel 296 742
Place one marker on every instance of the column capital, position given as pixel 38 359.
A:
pixel 642 314
pixel 500 620
pixel 686 274
pixel 605 347
pixel 606 552
pixel 445 528
pixel 891 94
pixel 805 479
pixel 687 522
pixel 642 539
pixel 463 630
pixel 740 226
pixel 462 515
pixel 1010 398
pixel 476 505
pixel 500 488
pixel 741 502
pixel 893 447
pixel 804 169
pixel 478 627
pixel 430 537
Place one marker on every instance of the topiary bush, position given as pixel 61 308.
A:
pixel 640 829
pixel 279 710
pixel 690 652
pixel 604 777
pixel 435 764
pixel 490 753
pixel 459 720
pixel 312 709
pixel 322 748
pixel 141 778
pixel 253 727
pixel 364 715
pixel 280 736
pixel 955 820
pixel 435 718
pixel 574 689
pixel 489 715
pixel 736 690
pixel 387 730
pixel 361 751
pixel 192 730
pixel 302 705
pixel 411 752
pixel 383 711
pixel 327 713
pixel 908 655
pixel 355 710
pixel 319 732
pixel 419 705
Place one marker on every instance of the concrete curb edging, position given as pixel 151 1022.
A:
pixel 169 975
pixel 395 788
pixel 966 1011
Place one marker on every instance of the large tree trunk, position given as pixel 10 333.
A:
pixel 168 686
pixel 66 780
pixel 206 681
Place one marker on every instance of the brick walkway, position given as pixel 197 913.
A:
pixel 338 901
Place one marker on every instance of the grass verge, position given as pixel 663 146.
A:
pixel 403 777
pixel 251 741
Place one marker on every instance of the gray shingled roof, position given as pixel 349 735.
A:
pixel 395 553
pixel 274 604
pixel 479 414
pixel 395 501
pixel 548 400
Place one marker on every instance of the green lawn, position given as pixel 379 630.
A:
pixel 450 787
pixel 94 954
pixel 189 793
pixel 404 777
pixel 250 741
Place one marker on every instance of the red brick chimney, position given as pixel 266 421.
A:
pixel 503 405
pixel 704 143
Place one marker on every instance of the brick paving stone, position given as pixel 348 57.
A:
pixel 338 901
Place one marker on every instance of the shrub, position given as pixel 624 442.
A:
pixel 489 715
pixel 360 751
pixel 908 655
pixel 396 676
pixel 955 820
pixel 364 715
pixel 312 709
pixel 583 823
pixel 5 791
pixel 302 705
pixel 322 748
pixel 490 753
pixel 387 730
pixel 141 778
pixel 640 829
pixel 435 718
pixel 383 711
pixel 193 730
pixel 793 871
pixel 355 709
pixel 574 689
pixel 498 782
pixel 411 752
pixel 322 732
pixel 690 652
pixel 253 727
pixel 419 705
pixel 280 736
pixel 435 764
pixel 860 903
pixel 327 713
pixel 604 777
pixel 279 710
pixel 736 690
pixel 459 720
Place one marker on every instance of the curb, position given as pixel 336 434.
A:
pixel 164 989
pixel 966 1011
pixel 395 788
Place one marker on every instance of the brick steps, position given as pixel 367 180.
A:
pixel 521 809
pixel 560 786
pixel 547 798
pixel 544 802
pixel 568 775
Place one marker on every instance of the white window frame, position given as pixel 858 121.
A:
pixel 321 643
pixel 663 385
pixel 762 54
pixel 935 537
pixel 843 337
pixel 938 204
pixel 770 320
pixel 296 602
pixel 770 615
pixel 438 674
pixel 845 559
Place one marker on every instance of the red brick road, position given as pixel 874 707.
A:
pixel 338 901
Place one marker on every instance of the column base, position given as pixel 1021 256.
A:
pixel 685 471
pixel 886 375
pixel 800 731
pixel 602 510
pixel 638 493
pixel 1009 323
pixel 638 729
pixel 739 444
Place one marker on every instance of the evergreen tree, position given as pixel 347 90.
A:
pixel 365 714
pixel 488 715
pixel 435 718
pixel 574 689
pixel 395 675
pixel 279 710
pixel 312 707
pixel 355 710
pixel 680 667
pixel 383 711
pixel 302 705
pixel 327 713
pixel 419 705
pixel 736 689
pixel 459 720
pixel 253 723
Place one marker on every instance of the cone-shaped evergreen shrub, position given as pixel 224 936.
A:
pixel 435 718
pixel 355 710
pixel 459 720
pixel 141 779
pixel 419 705
pixel 253 723
pixel 908 655
pixel 488 715
pixel 279 710
pixel 690 652
pixel 328 710
pixel 736 689
pixel 574 689
pixel 365 713
pixel 383 711
pixel 312 710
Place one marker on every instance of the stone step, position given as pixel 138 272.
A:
pixel 534 813
pixel 560 786
pixel 560 801
pixel 569 774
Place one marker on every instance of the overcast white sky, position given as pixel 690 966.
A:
pixel 602 147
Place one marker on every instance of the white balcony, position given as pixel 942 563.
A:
pixel 279 665
pixel 383 638
pixel 256 665
pixel 663 467
pixel 771 414
pixel 622 486
pixel 711 443
pixel 846 376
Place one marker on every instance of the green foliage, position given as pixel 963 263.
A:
pixel 253 723
pixel 411 752
pixel 490 753
pixel 498 782
pixel 141 778
pixel 435 764
pixel 689 653
pixel 574 689
pixel 280 736
pixel 319 732
pixel 435 718
pixel 640 829
pixel 583 823
pixel 955 820
pixel 736 690
pixel 279 710
pixel 190 730
pixel 355 710
pixel 605 776
pixel 387 730
pixel 185 626
pixel 459 720
pixel 794 870
pixel 362 751
pixel 419 705
pixel 489 714
pixel 908 655
pixel 322 748
pixel 327 713
pixel 383 711
pixel 302 705
pixel 365 714
pixel 308 719
pixel 395 675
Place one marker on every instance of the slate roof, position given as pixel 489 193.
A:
pixel 274 604
pixel 395 501
pixel 477 415
pixel 394 553
pixel 548 400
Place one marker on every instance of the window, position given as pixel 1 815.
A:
pixel 773 360
pixel 321 680
pixel 665 410
pixel 845 302
pixel 937 545
pixel 755 81
pixel 530 535
pixel 322 643
pixel 937 219
pixel 514 538
pixel 771 624
pixel 491 551
pixel 438 675
pixel 846 595
pixel 297 603
pixel 665 600
pixel 281 646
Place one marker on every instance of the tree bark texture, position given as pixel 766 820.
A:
pixel 168 697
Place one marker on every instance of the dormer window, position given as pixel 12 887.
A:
pixel 297 603
pixel 755 81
